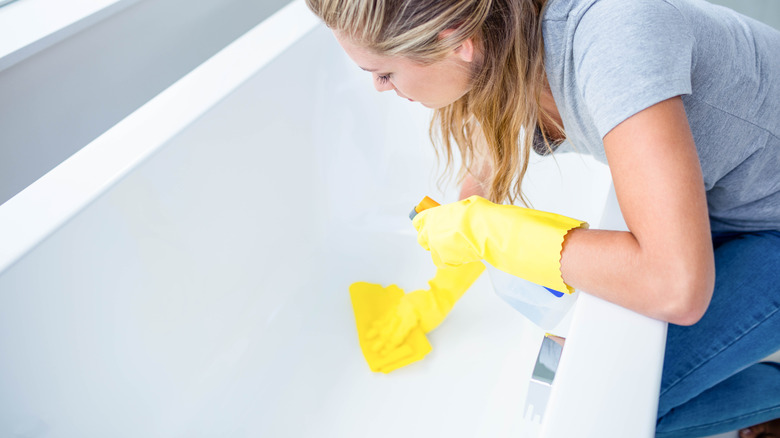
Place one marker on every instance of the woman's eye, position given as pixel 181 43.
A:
pixel 383 79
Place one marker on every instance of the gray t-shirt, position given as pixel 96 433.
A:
pixel 607 60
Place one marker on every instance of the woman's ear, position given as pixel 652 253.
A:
pixel 465 51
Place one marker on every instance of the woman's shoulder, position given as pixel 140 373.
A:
pixel 591 24
pixel 613 58
pixel 606 12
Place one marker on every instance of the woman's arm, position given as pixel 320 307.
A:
pixel 476 183
pixel 664 266
pixel 471 186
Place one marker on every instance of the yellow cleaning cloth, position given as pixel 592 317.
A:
pixel 372 302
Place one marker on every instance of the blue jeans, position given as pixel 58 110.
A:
pixel 712 380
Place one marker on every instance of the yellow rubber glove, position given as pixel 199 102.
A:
pixel 425 308
pixel 520 241
pixel 371 302
pixel 395 333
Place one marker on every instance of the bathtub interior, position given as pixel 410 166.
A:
pixel 205 293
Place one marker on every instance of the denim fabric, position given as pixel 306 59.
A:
pixel 712 380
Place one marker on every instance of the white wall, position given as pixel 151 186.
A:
pixel 767 11
pixel 63 97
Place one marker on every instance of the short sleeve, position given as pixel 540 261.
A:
pixel 630 55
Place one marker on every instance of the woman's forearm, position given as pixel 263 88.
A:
pixel 613 265
pixel 470 187
pixel 606 264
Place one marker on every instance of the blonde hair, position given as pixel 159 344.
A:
pixel 503 104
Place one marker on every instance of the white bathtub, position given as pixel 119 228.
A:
pixel 186 274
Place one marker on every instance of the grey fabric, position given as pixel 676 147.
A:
pixel 607 60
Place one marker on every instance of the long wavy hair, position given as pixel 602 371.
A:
pixel 502 107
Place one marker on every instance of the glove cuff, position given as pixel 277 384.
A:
pixel 529 243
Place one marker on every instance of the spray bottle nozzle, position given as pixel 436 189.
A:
pixel 425 204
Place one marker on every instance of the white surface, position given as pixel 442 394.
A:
pixel 202 289
pixel 28 26
pixel 60 99
pixel 34 213
pixel 186 274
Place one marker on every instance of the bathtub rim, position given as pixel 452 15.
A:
pixel 26 34
pixel 40 209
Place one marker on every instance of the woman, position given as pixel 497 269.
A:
pixel 680 98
